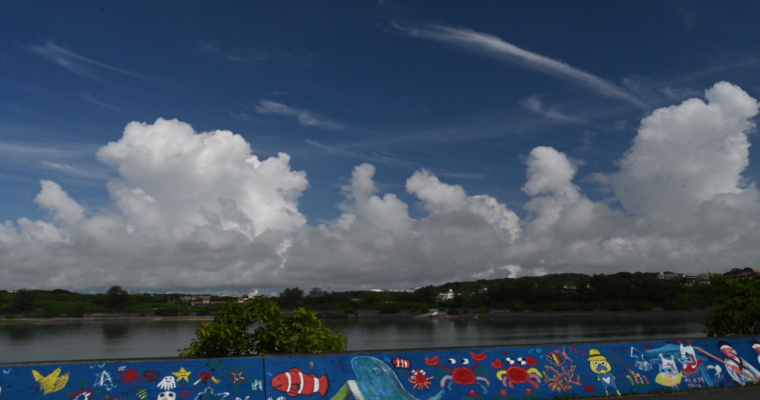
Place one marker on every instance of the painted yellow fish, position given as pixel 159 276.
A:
pixel 53 382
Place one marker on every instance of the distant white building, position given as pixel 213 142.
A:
pixel 445 296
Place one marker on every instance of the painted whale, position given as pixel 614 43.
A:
pixel 377 381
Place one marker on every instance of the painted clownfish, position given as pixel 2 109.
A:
pixel 295 382
pixel 401 363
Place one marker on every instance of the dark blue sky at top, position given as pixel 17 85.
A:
pixel 403 102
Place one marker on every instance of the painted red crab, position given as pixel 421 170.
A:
pixel 462 375
pixel 419 379
pixel 518 373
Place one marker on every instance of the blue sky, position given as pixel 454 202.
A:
pixel 536 107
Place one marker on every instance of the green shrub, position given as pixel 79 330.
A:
pixel 453 311
pixel 540 307
pixel 228 334
pixel 10 316
pixel 679 305
pixel 482 311
pixel 75 310
pixel 424 310
pixel 167 312
pixel 643 306
pixel 616 305
pixel 564 306
pixel 736 311
pixel 589 306
pixel 517 307
pixel 389 308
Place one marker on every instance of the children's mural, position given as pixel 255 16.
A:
pixel 435 374
pixel 178 379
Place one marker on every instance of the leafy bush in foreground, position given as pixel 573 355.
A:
pixel 737 312
pixel 228 334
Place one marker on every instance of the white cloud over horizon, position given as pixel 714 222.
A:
pixel 199 211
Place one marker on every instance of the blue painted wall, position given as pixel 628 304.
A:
pixel 487 373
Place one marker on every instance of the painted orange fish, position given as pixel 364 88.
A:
pixel 295 382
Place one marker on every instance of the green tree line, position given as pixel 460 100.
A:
pixel 556 292
pixel 64 303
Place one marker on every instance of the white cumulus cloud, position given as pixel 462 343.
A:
pixel 172 179
pixel 199 211
pixel 688 154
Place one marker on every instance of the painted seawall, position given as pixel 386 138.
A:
pixel 531 372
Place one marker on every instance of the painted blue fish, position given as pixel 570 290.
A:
pixel 377 381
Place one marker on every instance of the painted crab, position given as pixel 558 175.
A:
pixel 512 374
pixel 462 375
pixel 419 379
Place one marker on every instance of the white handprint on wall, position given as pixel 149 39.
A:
pixel 167 383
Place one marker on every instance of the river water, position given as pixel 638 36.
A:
pixel 86 340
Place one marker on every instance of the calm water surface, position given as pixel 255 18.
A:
pixel 82 340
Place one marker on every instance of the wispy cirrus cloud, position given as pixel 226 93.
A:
pixel 78 64
pixel 10 150
pixel 255 53
pixel 72 160
pixel 461 175
pixel 496 47
pixel 241 116
pixel 338 151
pixel 91 98
pixel 534 104
pixel 76 171
pixel 304 117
